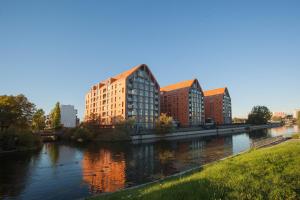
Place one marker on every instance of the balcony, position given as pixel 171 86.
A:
pixel 133 92
pixel 132 113
pixel 129 99
pixel 129 85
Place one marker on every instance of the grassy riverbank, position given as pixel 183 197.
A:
pixel 268 173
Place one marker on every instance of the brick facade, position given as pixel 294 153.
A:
pixel 184 102
pixel 218 106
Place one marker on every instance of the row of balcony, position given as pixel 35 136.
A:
pixel 135 113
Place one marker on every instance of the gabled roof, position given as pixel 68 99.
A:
pixel 180 85
pixel 128 72
pixel 215 91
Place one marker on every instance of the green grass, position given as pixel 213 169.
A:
pixel 269 173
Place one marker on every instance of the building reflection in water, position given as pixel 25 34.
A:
pixel 103 171
pixel 147 162
pixel 284 130
pixel 108 169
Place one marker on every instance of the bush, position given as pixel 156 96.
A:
pixel 79 134
pixel 124 126
pixel 164 124
pixel 14 139
pixel 83 134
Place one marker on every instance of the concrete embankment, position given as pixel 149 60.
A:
pixel 199 133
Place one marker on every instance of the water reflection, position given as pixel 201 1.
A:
pixel 258 134
pixel 103 171
pixel 14 172
pixel 61 171
pixel 53 152
pixel 287 130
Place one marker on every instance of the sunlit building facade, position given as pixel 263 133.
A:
pixel 184 102
pixel 218 106
pixel 133 94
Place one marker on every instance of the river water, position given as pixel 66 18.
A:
pixel 60 171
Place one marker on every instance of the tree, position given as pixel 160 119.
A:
pixel 93 122
pixel 259 115
pixel 55 117
pixel 15 111
pixel 298 117
pixel 277 118
pixel 164 124
pixel 124 125
pixel 38 120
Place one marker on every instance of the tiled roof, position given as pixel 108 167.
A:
pixel 123 75
pixel 177 86
pixel 127 73
pixel 215 91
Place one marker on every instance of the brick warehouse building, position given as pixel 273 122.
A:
pixel 218 106
pixel 184 102
pixel 133 94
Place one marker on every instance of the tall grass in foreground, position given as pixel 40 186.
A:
pixel 271 173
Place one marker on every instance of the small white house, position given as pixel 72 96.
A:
pixel 68 116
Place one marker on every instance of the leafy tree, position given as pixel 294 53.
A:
pixel 298 117
pixel 124 125
pixel 55 117
pixel 15 111
pixel 277 118
pixel 93 122
pixel 259 115
pixel 38 120
pixel 164 124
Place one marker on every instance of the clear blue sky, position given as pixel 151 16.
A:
pixel 55 50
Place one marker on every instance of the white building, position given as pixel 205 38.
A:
pixel 295 114
pixel 68 116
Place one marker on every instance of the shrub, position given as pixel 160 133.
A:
pixel 124 126
pixel 79 134
pixel 14 139
pixel 164 124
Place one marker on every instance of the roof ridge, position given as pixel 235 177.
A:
pixel 178 85
pixel 215 91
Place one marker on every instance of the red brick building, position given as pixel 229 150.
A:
pixel 218 106
pixel 184 102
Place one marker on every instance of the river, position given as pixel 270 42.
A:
pixel 61 171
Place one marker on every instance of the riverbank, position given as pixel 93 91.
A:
pixel 223 130
pixel 14 140
pixel 119 134
pixel 267 173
